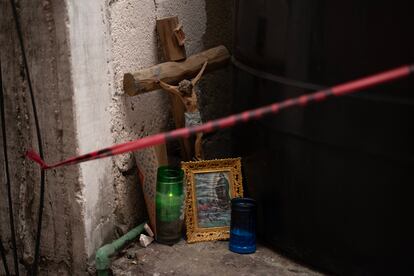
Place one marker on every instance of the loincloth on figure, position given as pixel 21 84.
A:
pixel 192 119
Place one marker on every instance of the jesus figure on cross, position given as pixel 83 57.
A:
pixel 187 93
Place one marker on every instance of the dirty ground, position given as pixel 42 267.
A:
pixel 207 258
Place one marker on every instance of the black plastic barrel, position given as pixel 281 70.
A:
pixel 333 181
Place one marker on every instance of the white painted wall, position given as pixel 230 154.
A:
pixel 92 96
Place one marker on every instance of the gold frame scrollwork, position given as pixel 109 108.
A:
pixel 231 165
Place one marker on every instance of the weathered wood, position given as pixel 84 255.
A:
pixel 168 30
pixel 145 80
pixel 180 35
pixel 177 111
pixel 161 154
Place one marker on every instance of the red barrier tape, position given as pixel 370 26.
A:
pixel 254 114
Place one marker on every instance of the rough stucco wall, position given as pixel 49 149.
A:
pixel 121 38
pixel 44 27
pixel 132 47
pixel 135 46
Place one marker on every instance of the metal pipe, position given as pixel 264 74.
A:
pixel 104 254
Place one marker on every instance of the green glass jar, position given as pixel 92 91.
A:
pixel 169 204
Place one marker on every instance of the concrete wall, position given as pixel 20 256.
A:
pixel 45 35
pixel 89 43
pixel 78 52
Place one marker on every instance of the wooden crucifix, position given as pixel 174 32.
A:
pixel 178 76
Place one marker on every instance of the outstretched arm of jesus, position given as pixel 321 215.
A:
pixel 200 74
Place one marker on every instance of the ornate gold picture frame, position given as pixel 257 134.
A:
pixel 210 185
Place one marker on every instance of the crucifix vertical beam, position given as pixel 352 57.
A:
pixel 172 38
pixel 174 50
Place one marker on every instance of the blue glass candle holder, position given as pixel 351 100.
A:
pixel 243 226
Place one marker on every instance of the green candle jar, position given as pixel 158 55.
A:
pixel 169 204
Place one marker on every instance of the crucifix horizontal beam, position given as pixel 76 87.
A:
pixel 147 79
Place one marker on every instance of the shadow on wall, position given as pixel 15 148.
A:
pixel 219 23
pixel 216 97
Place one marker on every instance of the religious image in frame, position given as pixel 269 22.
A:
pixel 210 186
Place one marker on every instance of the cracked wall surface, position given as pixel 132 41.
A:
pixel 44 32
pixel 78 52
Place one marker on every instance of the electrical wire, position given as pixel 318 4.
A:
pixel 275 78
pixel 3 257
pixel 7 173
pixel 34 269
pixel 307 85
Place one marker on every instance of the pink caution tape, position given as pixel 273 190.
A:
pixel 230 121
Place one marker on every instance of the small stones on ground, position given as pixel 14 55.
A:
pixel 145 240
pixel 148 230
